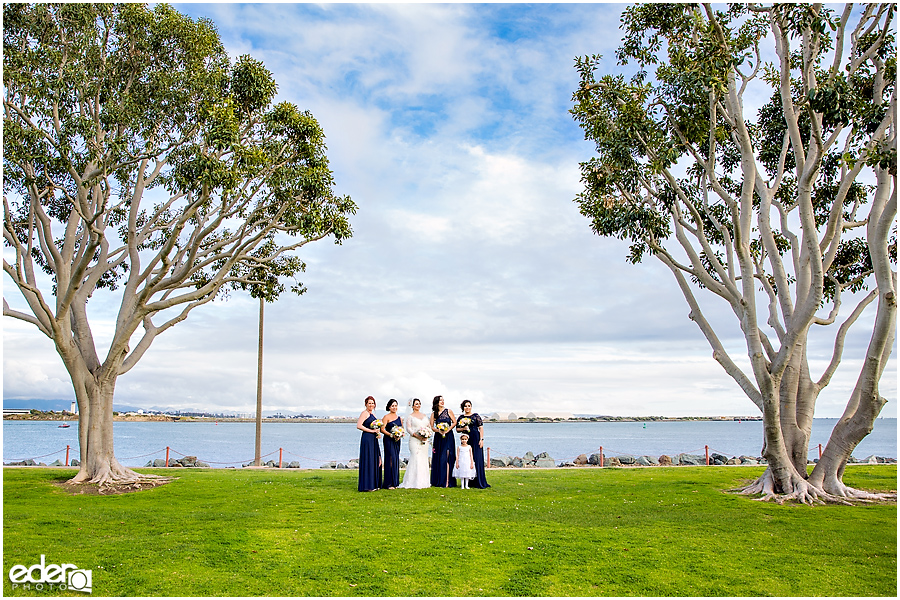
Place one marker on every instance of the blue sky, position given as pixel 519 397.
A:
pixel 470 273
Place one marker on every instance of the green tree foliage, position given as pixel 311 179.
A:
pixel 139 159
pixel 780 213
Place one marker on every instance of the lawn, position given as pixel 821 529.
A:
pixel 554 532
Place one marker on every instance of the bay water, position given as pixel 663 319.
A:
pixel 230 444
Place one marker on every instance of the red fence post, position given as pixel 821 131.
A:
pixel 707 455
pixel 279 458
pixel 67 455
pixel 601 456
pixel 167 456
pixel 489 458
pixel 820 451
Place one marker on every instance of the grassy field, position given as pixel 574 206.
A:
pixel 555 532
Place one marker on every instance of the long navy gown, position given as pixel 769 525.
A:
pixel 391 456
pixel 443 455
pixel 369 459
pixel 477 453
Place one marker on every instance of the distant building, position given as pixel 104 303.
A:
pixel 534 414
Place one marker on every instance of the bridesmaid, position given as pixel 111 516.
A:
pixel 369 453
pixel 476 441
pixel 443 452
pixel 391 446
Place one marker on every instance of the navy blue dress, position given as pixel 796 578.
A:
pixel 443 455
pixel 369 459
pixel 391 456
pixel 477 453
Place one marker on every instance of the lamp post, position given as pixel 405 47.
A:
pixel 259 380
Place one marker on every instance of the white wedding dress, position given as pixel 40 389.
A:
pixel 418 474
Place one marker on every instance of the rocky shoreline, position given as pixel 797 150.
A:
pixel 530 460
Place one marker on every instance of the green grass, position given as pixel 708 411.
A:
pixel 559 532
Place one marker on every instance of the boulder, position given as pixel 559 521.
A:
pixel 582 459
pixel 594 459
pixel 542 455
pixel 733 461
pixel 188 461
pixel 719 459
pixel 200 463
pixel 57 463
pixel 529 457
pixel 353 463
pixel 496 462
pixel 75 463
pixel 690 459
pixel 271 463
pixel 329 465
pixel 612 461
pixel 872 460
pixel 29 462
pixel 665 460
pixel 159 463
pixel 149 463
pixel 646 461
pixel 626 460
pixel 294 464
pixel 545 462
pixel 517 462
pixel 342 466
pixel 747 460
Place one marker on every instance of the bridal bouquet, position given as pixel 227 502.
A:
pixel 376 424
pixel 425 434
pixel 397 432
pixel 443 428
pixel 463 424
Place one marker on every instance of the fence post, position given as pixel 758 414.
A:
pixel 279 458
pixel 820 451
pixel 489 458
pixel 67 455
pixel 707 454
pixel 601 456
pixel 167 456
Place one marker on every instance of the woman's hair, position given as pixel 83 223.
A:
pixel 463 405
pixel 369 398
pixel 391 401
pixel 435 405
pixel 414 400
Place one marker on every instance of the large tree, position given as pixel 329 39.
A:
pixel 782 212
pixel 138 160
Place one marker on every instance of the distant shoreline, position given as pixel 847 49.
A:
pixel 44 416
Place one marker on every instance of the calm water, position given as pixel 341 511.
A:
pixel 311 444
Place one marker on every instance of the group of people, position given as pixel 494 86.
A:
pixel 448 462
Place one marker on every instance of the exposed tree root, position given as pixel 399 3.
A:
pixel 838 489
pixel 113 478
pixel 800 491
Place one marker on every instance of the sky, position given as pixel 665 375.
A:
pixel 470 273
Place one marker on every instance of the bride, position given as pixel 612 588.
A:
pixel 417 473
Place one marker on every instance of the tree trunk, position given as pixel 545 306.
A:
pixel 95 436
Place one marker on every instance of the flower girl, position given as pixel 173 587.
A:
pixel 465 463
